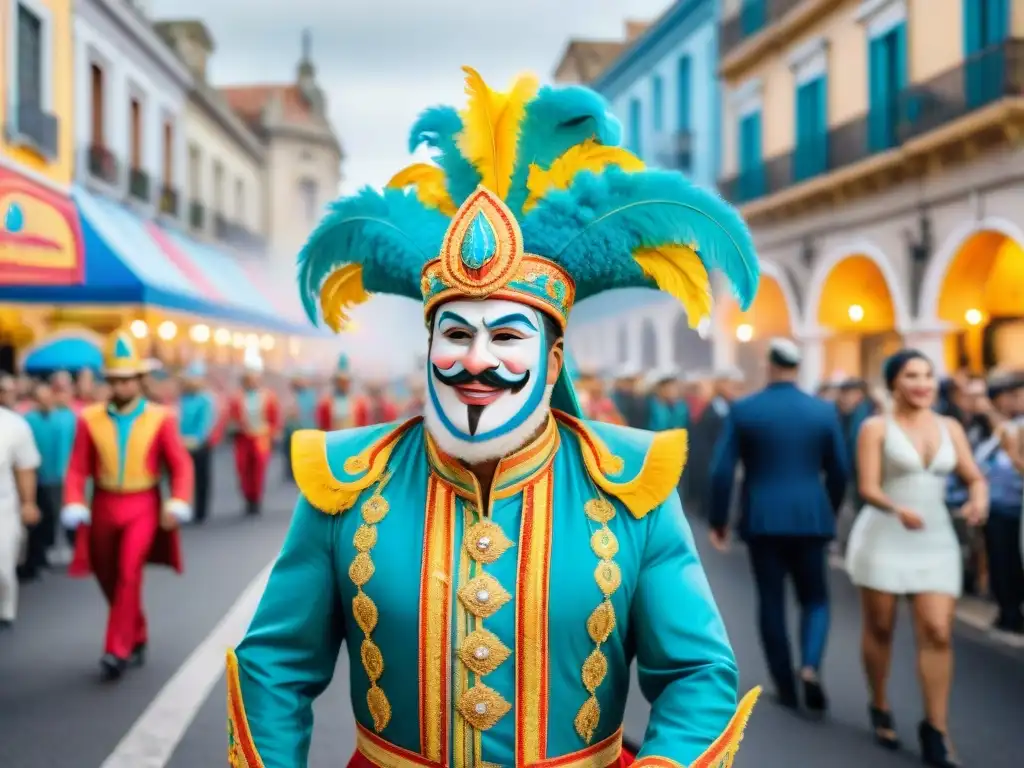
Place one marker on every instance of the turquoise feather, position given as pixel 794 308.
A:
pixel 390 234
pixel 593 228
pixel 556 120
pixel 438 128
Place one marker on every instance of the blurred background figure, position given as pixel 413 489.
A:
pixel 300 414
pixel 374 406
pixel 255 421
pixel 629 397
pixel 726 387
pixel 599 404
pixel 666 408
pixel 335 408
pixel 417 388
pixel 197 421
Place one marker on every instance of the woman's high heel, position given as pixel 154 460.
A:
pixel 936 750
pixel 884 728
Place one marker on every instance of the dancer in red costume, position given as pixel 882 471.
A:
pixel 254 416
pixel 334 411
pixel 124 447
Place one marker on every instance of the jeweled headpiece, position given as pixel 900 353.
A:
pixel 531 199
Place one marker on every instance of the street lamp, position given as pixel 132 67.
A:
pixel 744 333
pixel 973 316
pixel 167 330
pixel 855 312
pixel 139 329
pixel 200 334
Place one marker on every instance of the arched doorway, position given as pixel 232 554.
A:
pixel 771 314
pixel 981 298
pixel 856 308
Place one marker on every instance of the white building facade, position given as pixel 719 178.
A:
pixel 130 94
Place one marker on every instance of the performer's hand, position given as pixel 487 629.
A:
pixel 974 513
pixel 910 519
pixel 30 513
pixel 168 521
pixel 720 539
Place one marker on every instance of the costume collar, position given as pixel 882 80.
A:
pixel 514 472
pixel 131 409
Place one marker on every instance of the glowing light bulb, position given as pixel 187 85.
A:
pixel 744 333
pixel 973 316
pixel 200 334
pixel 167 330
pixel 267 342
pixel 139 329
pixel 222 337
pixel 855 312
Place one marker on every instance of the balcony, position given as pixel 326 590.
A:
pixel 236 235
pixel 33 128
pixel 138 185
pixel 196 215
pixel 168 201
pixel 958 105
pixel 676 152
pixel 103 165
pixel 763 24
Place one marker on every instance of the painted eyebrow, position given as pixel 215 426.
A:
pixel 512 319
pixel 451 316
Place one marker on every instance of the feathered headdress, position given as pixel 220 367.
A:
pixel 530 198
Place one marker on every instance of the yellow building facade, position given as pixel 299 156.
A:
pixel 874 146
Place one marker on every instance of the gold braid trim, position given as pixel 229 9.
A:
pixel 657 479
pixel 241 749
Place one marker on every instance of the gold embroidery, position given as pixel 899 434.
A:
pixel 483 596
pixel 601 622
pixel 482 707
pixel 360 571
pixel 483 652
pixel 486 542
pixel 356 464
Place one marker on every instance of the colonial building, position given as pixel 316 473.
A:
pixel 875 148
pixel 584 60
pixel 663 89
pixel 303 165
pixel 226 194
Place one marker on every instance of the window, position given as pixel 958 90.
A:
pixel 168 153
pixel 887 77
pixel 753 14
pixel 98 106
pixel 136 134
pixel 985 29
pixel 684 90
pixel 751 169
pixel 635 127
pixel 308 196
pixel 195 173
pixel 30 58
pixel 657 103
pixel 218 187
pixel 239 200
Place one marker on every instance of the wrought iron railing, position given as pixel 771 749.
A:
pixel 103 164
pixel 32 126
pixel 168 200
pixel 752 17
pixel 138 185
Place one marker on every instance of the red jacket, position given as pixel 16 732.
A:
pixel 266 427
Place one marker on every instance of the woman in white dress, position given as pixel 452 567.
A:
pixel 903 543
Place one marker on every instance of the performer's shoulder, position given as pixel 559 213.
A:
pixel 333 468
pixel 90 413
pixel 638 467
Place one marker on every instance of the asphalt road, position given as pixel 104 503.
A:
pixel 54 713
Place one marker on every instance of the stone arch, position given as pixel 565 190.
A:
pixel 774 311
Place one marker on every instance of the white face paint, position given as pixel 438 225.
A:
pixel 487 378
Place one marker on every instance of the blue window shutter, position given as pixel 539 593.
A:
pixel 750 167
pixel 657 99
pixel 683 89
pixel 997 22
pixel 902 74
pixel 972 26
pixel 876 93
pixel 821 123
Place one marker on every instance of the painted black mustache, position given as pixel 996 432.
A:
pixel 488 378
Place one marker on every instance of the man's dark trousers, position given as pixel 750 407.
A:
pixel 202 463
pixel 41 536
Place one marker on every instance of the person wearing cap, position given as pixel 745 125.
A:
pixel 198 419
pixel 599 405
pixel 335 408
pixel 787 441
pixel 254 417
pixel 123 447
pixel 494 568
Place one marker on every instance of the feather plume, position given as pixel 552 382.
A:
pixel 556 120
pixel 390 235
pixel 678 271
pixel 342 290
pixel 593 228
pixel 491 128
pixel 438 128
pixel 429 183
pixel 588 156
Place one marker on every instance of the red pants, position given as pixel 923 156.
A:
pixel 251 457
pixel 120 539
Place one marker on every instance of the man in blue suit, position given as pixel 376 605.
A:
pixel 786 440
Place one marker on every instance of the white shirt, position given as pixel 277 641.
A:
pixel 17 451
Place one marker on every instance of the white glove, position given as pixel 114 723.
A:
pixel 74 515
pixel 180 509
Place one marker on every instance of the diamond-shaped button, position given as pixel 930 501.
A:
pixel 483 652
pixel 482 707
pixel 483 596
pixel 486 542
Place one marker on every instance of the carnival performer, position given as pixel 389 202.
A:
pixel 432 546
pixel 198 420
pixel 373 406
pixel 334 410
pixel 254 417
pixel 124 446
pixel 600 406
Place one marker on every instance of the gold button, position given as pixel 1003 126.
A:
pixel 480 708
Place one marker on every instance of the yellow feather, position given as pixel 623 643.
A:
pixel 430 186
pixel 490 133
pixel 679 271
pixel 588 156
pixel 342 290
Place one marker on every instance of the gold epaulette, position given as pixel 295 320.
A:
pixel 639 468
pixel 333 468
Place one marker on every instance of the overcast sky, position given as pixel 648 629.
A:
pixel 381 62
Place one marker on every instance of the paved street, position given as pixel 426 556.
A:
pixel 53 713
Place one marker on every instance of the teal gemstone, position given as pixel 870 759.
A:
pixel 14 219
pixel 121 350
pixel 480 243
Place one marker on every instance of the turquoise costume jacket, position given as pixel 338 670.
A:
pixel 489 633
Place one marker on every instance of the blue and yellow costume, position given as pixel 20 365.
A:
pixel 498 629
